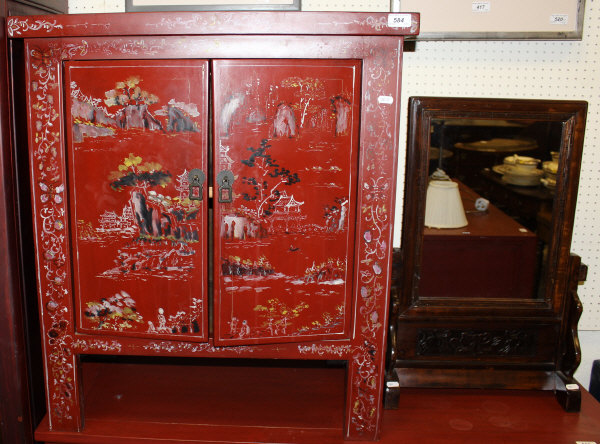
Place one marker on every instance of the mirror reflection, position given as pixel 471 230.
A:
pixel 489 206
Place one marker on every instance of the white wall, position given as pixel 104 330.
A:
pixel 95 6
pixel 590 349
pixel 565 70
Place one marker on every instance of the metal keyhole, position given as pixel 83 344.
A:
pixel 196 179
pixel 225 186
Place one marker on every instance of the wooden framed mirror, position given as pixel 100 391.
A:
pixel 490 300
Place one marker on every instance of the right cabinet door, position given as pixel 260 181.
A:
pixel 285 161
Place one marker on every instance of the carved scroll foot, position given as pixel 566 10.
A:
pixel 391 396
pixel 568 393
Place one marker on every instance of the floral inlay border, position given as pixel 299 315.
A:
pixel 51 222
pixel 17 26
pixel 375 225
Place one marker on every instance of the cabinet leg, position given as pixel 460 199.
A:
pixel 364 405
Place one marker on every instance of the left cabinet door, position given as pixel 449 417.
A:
pixel 137 196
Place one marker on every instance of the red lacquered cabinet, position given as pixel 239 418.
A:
pixel 209 188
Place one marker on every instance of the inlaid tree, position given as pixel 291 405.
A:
pixel 263 187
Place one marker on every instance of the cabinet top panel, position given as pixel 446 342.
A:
pixel 214 23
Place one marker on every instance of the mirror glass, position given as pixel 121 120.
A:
pixel 488 213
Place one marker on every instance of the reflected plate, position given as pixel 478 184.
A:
pixel 500 169
pixel 499 145
pixel 549 183
pixel 524 180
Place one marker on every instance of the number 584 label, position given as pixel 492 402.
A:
pixel 399 20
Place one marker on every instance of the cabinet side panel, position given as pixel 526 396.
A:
pixel 375 221
pixel 48 178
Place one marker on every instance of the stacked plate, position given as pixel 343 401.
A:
pixel 520 170
pixel 550 169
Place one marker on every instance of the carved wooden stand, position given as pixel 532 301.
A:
pixel 483 341
pixel 565 387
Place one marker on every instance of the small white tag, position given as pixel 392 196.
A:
pixel 481 7
pixel 387 100
pixel 392 384
pixel 399 20
pixel 585 442
pixel 559 19
pixel 572 387
pixel 523 230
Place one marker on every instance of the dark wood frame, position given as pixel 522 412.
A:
pixel 229 6
pixel 549 322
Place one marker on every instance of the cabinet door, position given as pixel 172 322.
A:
pixel 137 133
pixel 285 156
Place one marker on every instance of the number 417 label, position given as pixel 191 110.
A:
pixel 399 20
pixel 481 7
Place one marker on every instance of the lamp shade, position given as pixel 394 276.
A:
pixel 443 207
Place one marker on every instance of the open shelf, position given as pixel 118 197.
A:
pixel 192 401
